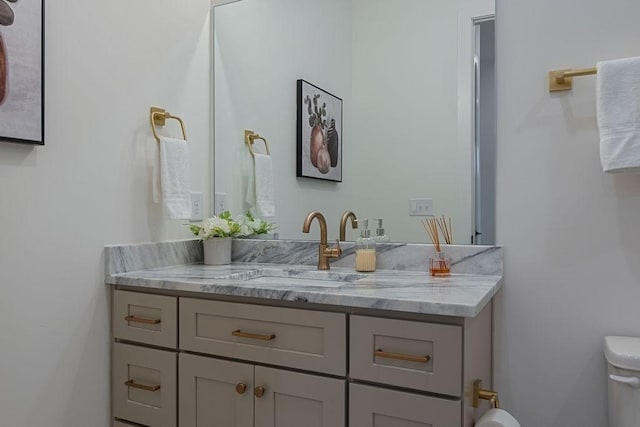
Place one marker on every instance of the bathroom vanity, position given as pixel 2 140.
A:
pixel 258 344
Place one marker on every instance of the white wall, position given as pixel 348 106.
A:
pixel 257 64
pixel 405 56
pixel 106 63
pixel 571 233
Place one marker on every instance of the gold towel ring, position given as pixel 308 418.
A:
pixel 158 118
pixel 249 139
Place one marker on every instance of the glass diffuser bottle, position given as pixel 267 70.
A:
pixel 440 265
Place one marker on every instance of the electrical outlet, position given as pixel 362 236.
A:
pixel 221 203
pixel 421 207
pixel 197 206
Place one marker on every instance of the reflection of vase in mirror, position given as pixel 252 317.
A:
pixel 3 71
pixel 324 160
pixel 317 143
pixel 333 140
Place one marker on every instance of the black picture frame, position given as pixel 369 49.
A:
pixel 319 133
pixel 22 80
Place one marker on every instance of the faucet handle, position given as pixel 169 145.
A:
pixel 338 248
pixel 335 252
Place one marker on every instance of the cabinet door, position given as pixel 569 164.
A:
pixel 378 407
pixel 293 399
pixel 215 393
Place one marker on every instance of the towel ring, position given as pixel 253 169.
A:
pixel 158 118
pixel 249 139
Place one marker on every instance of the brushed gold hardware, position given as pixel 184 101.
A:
pixel 479 393
pixel 250 137
pixel 259 391
pixel 324 251
pixel 343 224
pixel 563 79
pixel 158 118
pixel 239 333
pixel 142 320
pixel 133 384
pixel 419 359
pixel 241 388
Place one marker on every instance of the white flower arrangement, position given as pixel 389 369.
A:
pixel 224 225
pixel 251 225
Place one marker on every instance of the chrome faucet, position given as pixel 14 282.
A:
pixel 324 251
pixel 343 224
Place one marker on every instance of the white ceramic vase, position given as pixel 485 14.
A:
pixel 217 251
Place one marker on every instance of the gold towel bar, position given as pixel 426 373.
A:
pixel 158 118
pixel 563 79
pixel 250 137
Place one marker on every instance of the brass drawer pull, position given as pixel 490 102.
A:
pixel 406 357
pixel 133 384
pixel 142 320
pixel 239 333
pixel 259 391
pixel 241 388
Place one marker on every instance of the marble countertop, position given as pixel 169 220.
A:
pixel 463 295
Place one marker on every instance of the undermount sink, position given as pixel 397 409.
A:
pixel 296 275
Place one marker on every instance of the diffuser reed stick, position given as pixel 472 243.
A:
pixel 431 227
pixel 445 227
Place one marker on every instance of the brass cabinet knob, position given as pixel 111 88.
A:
pixel 258 391
pixel 241 388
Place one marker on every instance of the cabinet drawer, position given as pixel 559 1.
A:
pixel 378 407
pixel 144 385
pixel 422 356
pixel 302 339
pixel 117 423
pixel 150 319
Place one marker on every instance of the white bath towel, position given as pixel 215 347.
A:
pixel 175 178
pixel 619 114
pixel 260 190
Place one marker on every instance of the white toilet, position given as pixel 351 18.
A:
pixel 623 355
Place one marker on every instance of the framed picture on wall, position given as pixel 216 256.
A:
pixel 22 71
pixel 319 133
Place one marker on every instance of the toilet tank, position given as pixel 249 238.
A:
pixel 623 357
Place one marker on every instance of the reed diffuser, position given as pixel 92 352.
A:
pixel 440 265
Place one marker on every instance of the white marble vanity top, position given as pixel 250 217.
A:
pixel 461 295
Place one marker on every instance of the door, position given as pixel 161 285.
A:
pixel 215 393
pixel 485 132
pixel 291 399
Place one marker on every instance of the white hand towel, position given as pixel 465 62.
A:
pixel 175 178
pixel 265 197
pixel 618 95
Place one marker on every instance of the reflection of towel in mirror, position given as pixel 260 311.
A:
pixel 260 191
pixel 174 178
pixel 618 92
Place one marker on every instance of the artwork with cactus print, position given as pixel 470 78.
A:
pixel 319 125
pixel 21 71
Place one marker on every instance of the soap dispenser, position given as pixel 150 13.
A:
pixel 380 236
pixel 365 248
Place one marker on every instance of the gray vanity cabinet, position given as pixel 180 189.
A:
pixel 194 362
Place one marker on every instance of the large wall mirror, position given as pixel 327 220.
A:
pixel 417 82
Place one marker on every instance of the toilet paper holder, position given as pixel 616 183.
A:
pixel 480 393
